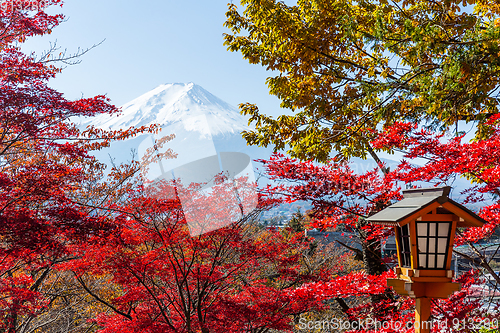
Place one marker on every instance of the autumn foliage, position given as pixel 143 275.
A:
pixel 46 170
pixel 363 77
pixel 84 252
pixel 234 279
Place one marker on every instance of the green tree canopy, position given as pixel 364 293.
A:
pixel 347 67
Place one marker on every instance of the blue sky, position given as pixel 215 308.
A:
pixel 148 43
pixel 151 43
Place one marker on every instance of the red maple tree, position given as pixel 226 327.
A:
pixel 56 215
pixel 341 197
pixel 237 278
pixel 45 168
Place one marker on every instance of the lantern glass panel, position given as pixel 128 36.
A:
pixel 444 229
pixel 422 244
pixel 432 261
pixel 440 260
pixel 422 229
pixel 442 243
pixel 422 259
pixel 404 246
pixel 432 229
pixel 432 244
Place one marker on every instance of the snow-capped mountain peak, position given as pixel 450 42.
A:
pixel 176 103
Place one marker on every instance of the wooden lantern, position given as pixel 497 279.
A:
pixel 425 222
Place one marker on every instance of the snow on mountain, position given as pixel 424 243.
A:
pixel 204 127
pixel 173 103
pixel 207 142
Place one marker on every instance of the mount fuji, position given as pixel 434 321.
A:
pixel 175 102
pixel 206 142
pixel 202 124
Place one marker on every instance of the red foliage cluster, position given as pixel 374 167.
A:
pixel 44 164
pixel 361 195
pixel 233 279
pixel 337 194
pixel 478 161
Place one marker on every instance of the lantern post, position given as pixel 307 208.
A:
pixel 425 223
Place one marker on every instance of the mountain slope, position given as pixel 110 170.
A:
pixel 173 103
pixel 203 126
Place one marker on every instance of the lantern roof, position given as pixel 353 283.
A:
pixel 421 201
